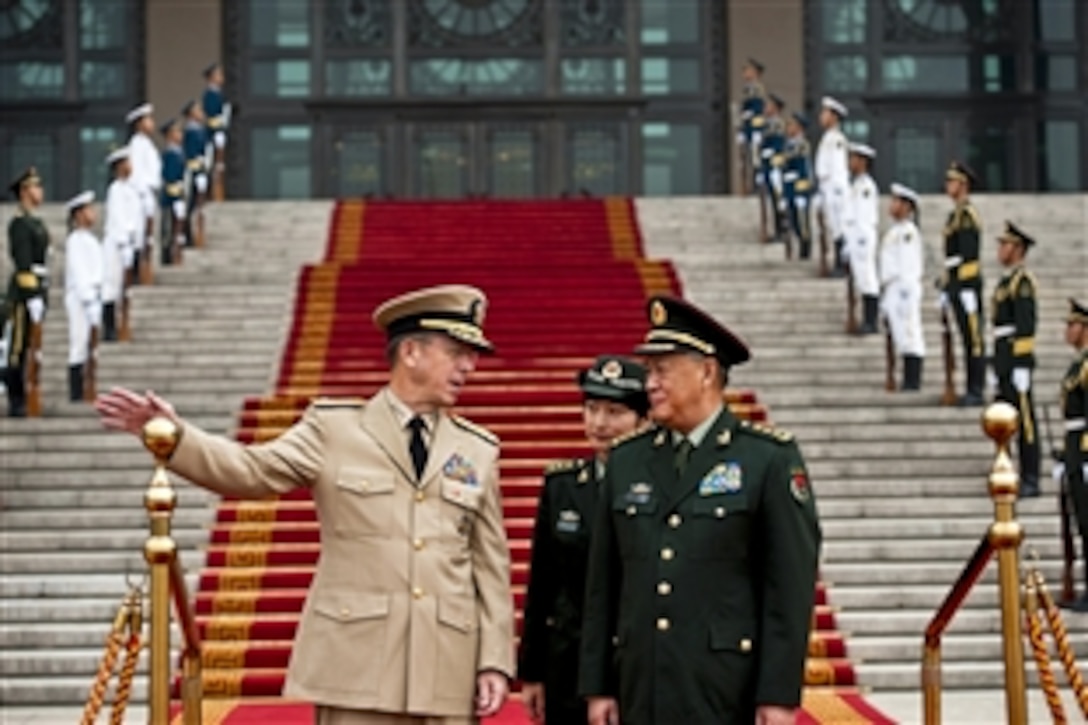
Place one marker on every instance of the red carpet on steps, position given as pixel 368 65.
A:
pixel 566 280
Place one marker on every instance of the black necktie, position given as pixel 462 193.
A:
pixel 683 454
pixel 416 447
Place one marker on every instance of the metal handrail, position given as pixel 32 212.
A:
pixel 1000 422
pixel 160 437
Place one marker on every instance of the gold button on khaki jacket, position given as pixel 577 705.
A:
pixel 411 598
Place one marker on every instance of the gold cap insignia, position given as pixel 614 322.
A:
pixel 612 370
pixel 569 515
pixel 658 315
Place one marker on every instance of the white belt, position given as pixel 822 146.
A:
pixel 1074 424
pixel 791 176
pixel 40 269
pixel 1004 331
pixel 953 261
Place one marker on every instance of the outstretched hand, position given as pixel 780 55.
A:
pixel 121 409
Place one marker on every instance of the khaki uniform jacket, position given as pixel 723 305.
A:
pixel 411 598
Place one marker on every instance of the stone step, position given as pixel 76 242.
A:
pixel 30 691
pixel 99 520
pixel 88 562
pixel 841 574
pixel 95 586
pixel 956 646
pixel 13 543
pixel 920 550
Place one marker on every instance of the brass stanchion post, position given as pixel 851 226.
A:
pixel 1000 421
pixel 160 437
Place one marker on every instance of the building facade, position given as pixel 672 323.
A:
pixel 523 98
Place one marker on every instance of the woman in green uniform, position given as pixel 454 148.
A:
pixel 614 405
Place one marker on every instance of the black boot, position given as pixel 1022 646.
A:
pixel 13 381
pixel 75 383
pixel 839 267
pixel 109 322
pixel 870 305
pixel 805 250
pixel 912 372
pixel 976 376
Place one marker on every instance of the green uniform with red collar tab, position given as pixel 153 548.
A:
pixel 701 586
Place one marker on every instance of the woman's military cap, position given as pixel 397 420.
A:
pixel 616 378
pixel 168 126
pixel 961 172
pixel 1014 233
pixel 454 310
pixel 79 201
pixel 753 63
pixel 144 109
pixel 210 68
pixel 117 155
pixel 1077 312
pixel 901 191
pixel 861 149
pixel 834 105
pixel 679 326
pixel 27 178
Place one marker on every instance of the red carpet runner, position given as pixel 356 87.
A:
pixel 567 280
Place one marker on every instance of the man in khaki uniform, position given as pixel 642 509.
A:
pixel 410 611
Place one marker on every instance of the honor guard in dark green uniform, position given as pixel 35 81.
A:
pixel 1074 401
pixel 702 568
pixel 27 295
pixel 962 279
pixel 1013 311
pixel 614 405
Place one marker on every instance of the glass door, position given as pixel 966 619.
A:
pixel 510 160
pixel 439 156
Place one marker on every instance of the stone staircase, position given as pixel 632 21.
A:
pixel 901 482
pixel 72 523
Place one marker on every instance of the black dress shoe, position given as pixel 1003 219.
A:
pixel 1077 605
pixel 971 400
pixel 1028 490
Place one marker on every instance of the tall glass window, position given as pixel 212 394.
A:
pixel 670 22
pixel 95 143
pixel 672 159
pixel 38 150
pixel 281 162
pixel 1059 148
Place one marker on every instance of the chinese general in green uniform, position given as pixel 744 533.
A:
pixel 703 564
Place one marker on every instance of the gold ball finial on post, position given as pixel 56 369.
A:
pixel 1000 422
pixel 160 437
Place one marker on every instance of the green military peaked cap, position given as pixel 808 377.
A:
pixel 1077 312
pixel 679 326
pixel 617 378
pixel 1014 233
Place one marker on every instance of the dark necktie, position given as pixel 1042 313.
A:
pixel 683 455
pixel 416 447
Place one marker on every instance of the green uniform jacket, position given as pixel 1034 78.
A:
pixel 700 590
pixel 28 245
pixel 1074 400
pixel 961 242
pixel 1013 311
pixel 552 629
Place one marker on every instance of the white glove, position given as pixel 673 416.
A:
pixel 969 301
pixel 1021 379
pixel 128 256
pixel 179 209
pixel 36 307
pixel 201 181
pixel 741 141
pixel 1058 472
pixel 942 301
pixel 220 139
pixel 93 310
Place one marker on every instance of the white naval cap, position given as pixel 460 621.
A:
pixel 905 192
pixel 117 155
pixel 79 201
pixel 139 112
pixel 862 149
pixel 834 105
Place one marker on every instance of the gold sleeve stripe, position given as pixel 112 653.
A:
pixel 1023 346
pixel 26 280
pixel 967 270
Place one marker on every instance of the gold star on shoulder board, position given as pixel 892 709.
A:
pixel 725 437
pixel 583 476
pixel 660 439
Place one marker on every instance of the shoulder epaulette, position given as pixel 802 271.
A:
pixel 778 435
pixel 565 465
pixel 330 403
pixel 1083 377
pixel 969 218
pixel 477 430
pixel 1024 284
pixel 633 435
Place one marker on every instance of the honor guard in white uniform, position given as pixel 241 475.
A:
pixel 832 174
pixel 121 237
pixel 146 172
pixel 862 216
pixel 902 259
pixel 82 286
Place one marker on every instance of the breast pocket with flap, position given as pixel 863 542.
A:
pixel 365 505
